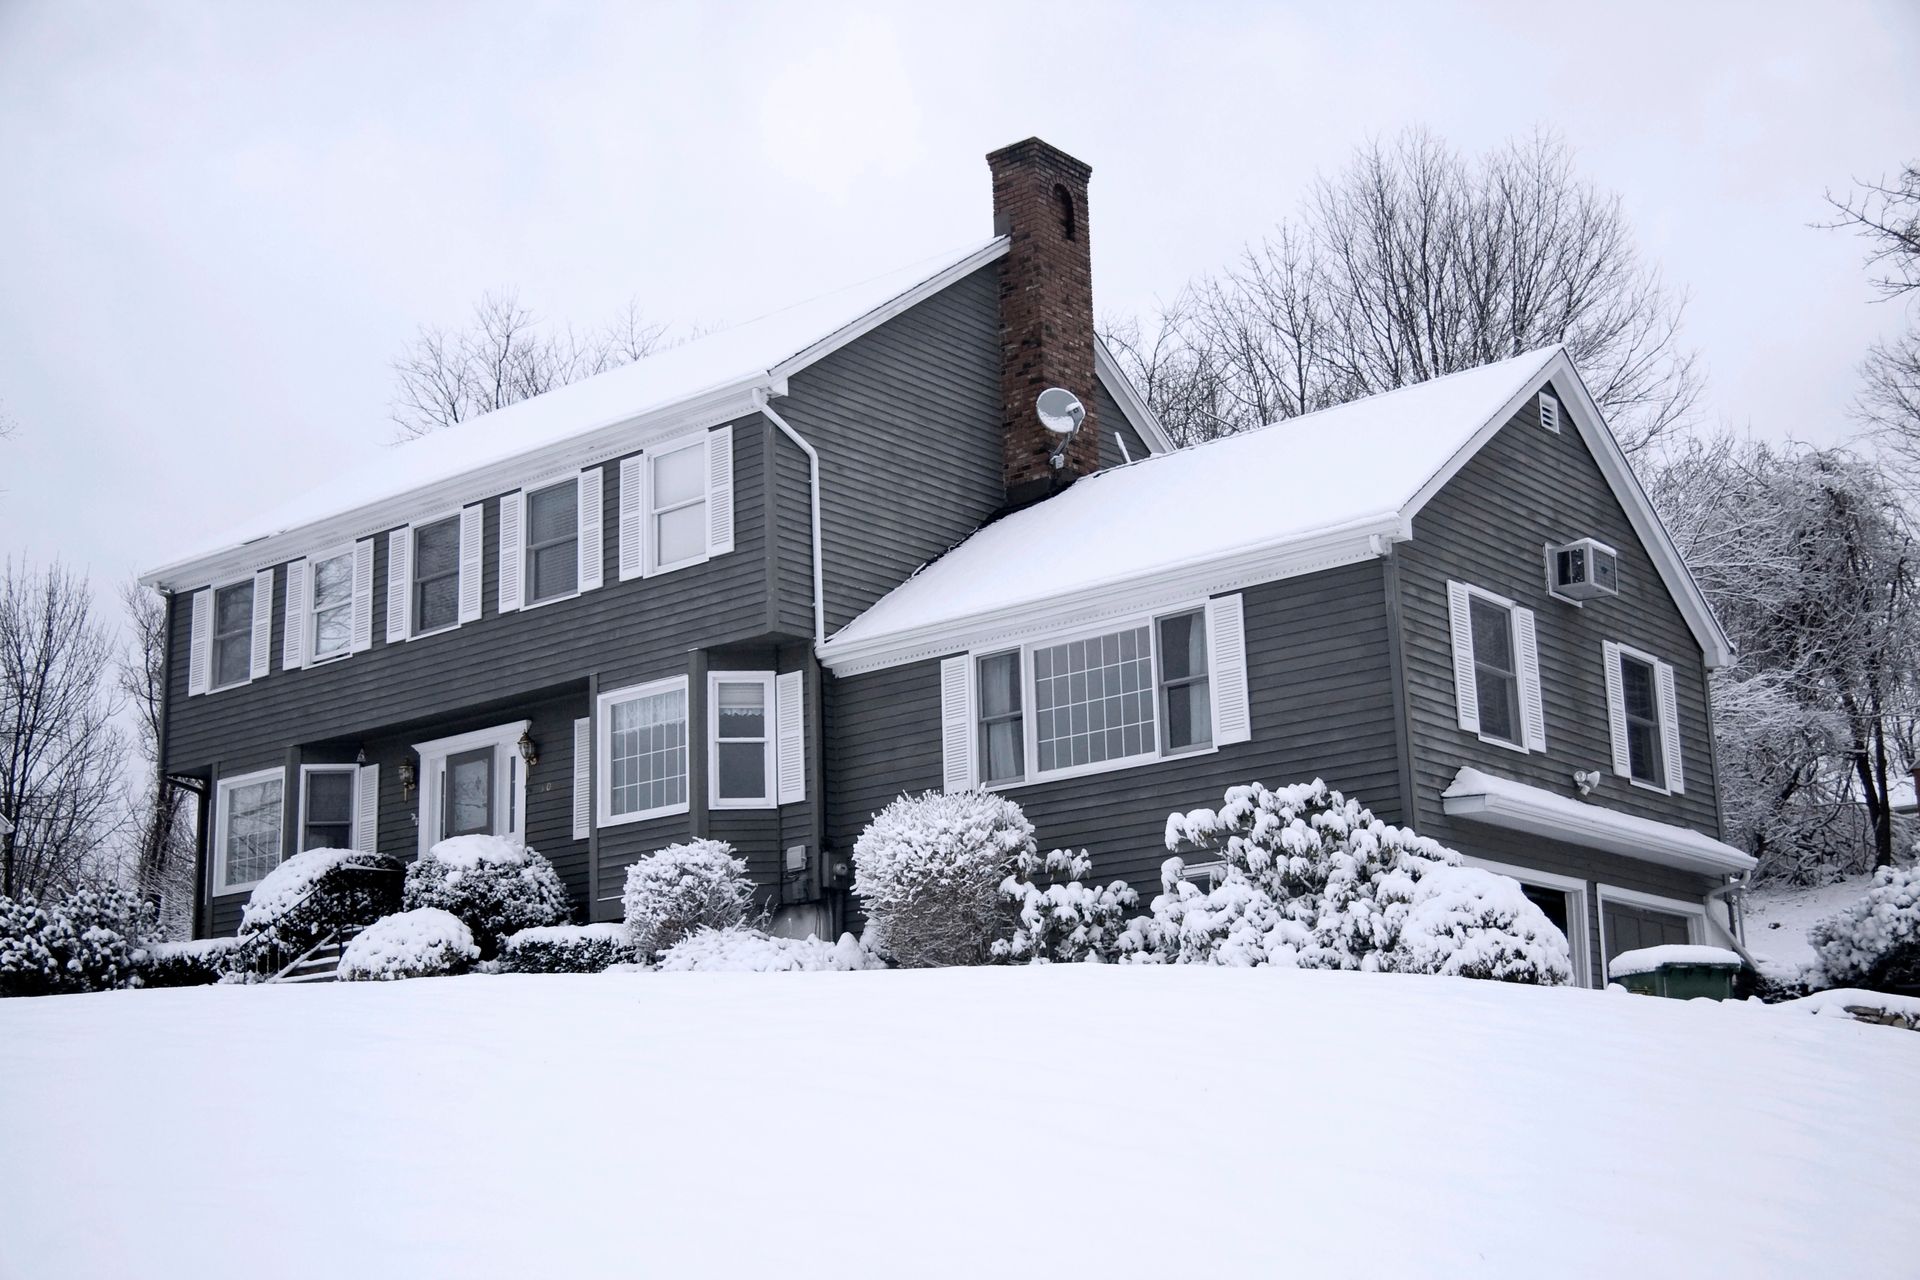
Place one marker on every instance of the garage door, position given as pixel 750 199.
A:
pixel 1630 928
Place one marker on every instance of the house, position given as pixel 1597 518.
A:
pixel 756 586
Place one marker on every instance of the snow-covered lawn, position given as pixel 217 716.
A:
pixel 1083 1121
pixel 1778 919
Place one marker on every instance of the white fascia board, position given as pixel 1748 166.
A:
pixel 1349 544
pixel 991 252
pixel 1515 806
pixel 1121 388
pixel 593 444
pixel 1592 426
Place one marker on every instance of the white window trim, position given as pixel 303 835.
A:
pixel 307 771
pixel 1513 643
pixel 603 751
pixel 510 801
pixel 413 571
pixel 1578 888
pixel 770 760
pixel 1627 650
pixel 1211 872
pixel 310 621
pixel 526 542
pixel 649 513
pixel 1699 923
pixel 1029 727
pixel 221 888
pixel 213 622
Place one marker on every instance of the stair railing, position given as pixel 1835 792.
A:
pixel 262 953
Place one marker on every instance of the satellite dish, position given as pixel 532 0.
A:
pixel 1060 411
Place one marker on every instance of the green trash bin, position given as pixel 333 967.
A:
pixel 1677 972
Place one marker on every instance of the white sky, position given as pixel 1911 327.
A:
pixel 219 223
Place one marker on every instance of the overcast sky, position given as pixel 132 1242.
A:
pixel 220 223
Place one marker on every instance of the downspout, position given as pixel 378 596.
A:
pixel 813 490
pixel 1733 894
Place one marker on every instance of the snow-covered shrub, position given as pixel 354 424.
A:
pixel 1875 943
pixel 682 888
pixel 1067 920
pixel 27 966
pixel 319 892
pixel 496 886
pixel 424 943
pixel 1310 879
pixel 183 964
pixel 85 941
pixel 743 950
pixel 928 871
pixel 567 948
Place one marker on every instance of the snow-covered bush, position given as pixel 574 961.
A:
pixel 743 950
pixel 682 888
pixel 319 892
pixel 183 964
pixel 1067 920
pixel 1310 879
pixel 928 871
pixel 496 886
pixel 424 943
pixel 85 941
pixel 1875 943
pixel 567 948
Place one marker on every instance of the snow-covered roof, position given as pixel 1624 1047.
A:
pixel 1502 802
pixel 1306 493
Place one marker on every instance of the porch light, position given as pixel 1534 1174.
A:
pixel 406 778
pixel 527 750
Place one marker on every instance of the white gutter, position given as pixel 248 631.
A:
pixel 813 490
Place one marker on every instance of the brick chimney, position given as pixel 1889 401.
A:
pixel 1046 311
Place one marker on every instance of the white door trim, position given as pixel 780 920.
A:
pixel 1578 918
pixel 510 779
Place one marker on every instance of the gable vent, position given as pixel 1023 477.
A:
pixel 1549 413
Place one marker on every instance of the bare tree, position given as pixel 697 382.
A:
pixel 59 751
pixel 1887 215
pixel 162 825
pixel 504 355
pixel 1414 263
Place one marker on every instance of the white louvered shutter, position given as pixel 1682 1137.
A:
pixel 1616 710
pixel 592 549
pixel 472 560
pixel 790 720
pixel 1669 726
pixel 293 641
pixel 363 595
pixel 956 723
pixel 582 778
pixel 262 625
pixel 200 644
pixel 1532 710
pixel 719 491
pixel 633 519
pixel 399 584
pixel 512 550
pixel 1227 670
pixel 1466 685
pixel 366 808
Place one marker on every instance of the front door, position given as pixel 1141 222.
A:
pixel 467 797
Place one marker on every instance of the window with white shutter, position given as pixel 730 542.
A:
pixel 740 729
pixel 399 578
pixel 1496 669
pixel 956 723
pixel 200 643
pixel 719 491
pixel 262 647
pixel 362 617
pixel 791 729
pixel 1226 631
pixel 366 808
pixel 472 523
pixel 512 551
pixel 582 778
pixel 590 537
pixel 1643 718
pixel 678 527
pixel 633 522
pixel 293 619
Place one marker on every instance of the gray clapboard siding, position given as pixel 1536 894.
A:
pixel 1319 685
pixel 1109 419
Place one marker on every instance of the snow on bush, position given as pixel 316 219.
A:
pixel 85 941
pixel 1312 880
pixel 682 888
pixel 495 885
pixel 184 964
pixel 743 950
pixel 319 892
pixel 423 943
pixel 928 871
pixel 1067 920
pixel 567 948
pixel 1875 943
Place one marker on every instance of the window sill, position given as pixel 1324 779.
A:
pixel 677 565
pixel 329 660
pixel 223 688
pixel 717 803
pixel 541 604
pixel 1502 742
pixel 643 815
pixel 1648 786
pixel 1091 770
pixel 437 631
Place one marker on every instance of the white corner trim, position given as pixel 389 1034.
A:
pixel 1121 388
pixel 1515 806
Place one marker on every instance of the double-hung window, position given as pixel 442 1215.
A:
pixel 1496 673
pixel 1003 755
pixel 247 833
pixel 1643 718
pixel 677 505
pixel 741 724
pixel 1496 669
pixel 232 634
pixel 1641 703
pixel 326 807
pixel 1093 700
pixel 1186 706
pixel 642 751
pixel 553 541
pixel 330 620
pixel 436 575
